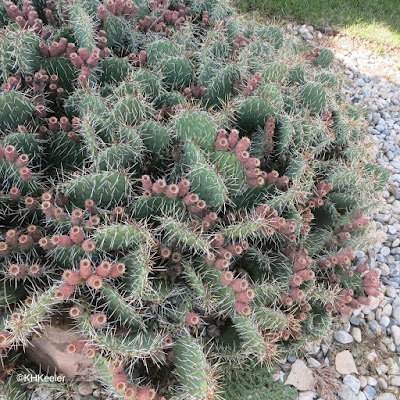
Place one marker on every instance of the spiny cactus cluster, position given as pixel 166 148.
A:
pixel 187 189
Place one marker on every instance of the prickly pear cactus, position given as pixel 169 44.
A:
pixel 187 191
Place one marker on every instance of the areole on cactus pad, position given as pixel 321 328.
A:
pixel 186 189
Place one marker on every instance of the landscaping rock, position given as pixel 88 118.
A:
pixel 301 377
pixel 344 363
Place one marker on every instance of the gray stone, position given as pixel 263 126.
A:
pixel 361 396
pixel 382 384
pixel 356 333
pixel 395 380
pixel 381 369
pixel 396 312
pixel 385 396
pixel 292 358
pixel 374 326
pixel 369 392
pixel 395 332
pixel 384 321
pixel 352 382
pixel 346 393
pixel 343 337
pixel 385 251
pixel 372 381
pixel 313 363
pixel 363 381
pixel 387 310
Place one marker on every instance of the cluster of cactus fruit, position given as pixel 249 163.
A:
pixel 187 189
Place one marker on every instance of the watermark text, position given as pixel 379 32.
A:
pixel 28 378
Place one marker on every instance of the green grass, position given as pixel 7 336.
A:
pixel 376 20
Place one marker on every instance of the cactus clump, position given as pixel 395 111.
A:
pixel 186 190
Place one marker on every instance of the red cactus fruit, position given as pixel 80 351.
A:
pixel 116 366
pixel 190 199
pixel 295 280
pixel 240 284
pixel 224 253
pixel 146 182
pixel 90 206
pixel 256 182
pixel 145 393
pixel 242 145
pixel 45 244
pixel 62 241
pixel 10 153
pixel 76 346
pixel 76 311
pixel 90 351
pixel 172 191
pixel 88 246
pixel 85 268
pixel 117 270
pixel 251 162
pixel 253 173
pixel 12 239
pixel 242 308
pixel 23 161
pixel 165 252
pixel 119 382
pixel 118 211
pixel 59 214
pixel 324 263
pixel 355 304
pixel 77 235
pixel 17 271
pixel 98 320
pixel 71 277
pixel 246 296
pixel 306 274
pixel 227 277
pixel 15 193
pixel 192 319
pixel 103 269
pixel 217 241
pixel 235 249
pixel 371 291
pixel 184 186
pixel 176 256
pixel 95 282
pixel 233 138
pixel 76 217
pixel 64 291
pixel 131 392
pixel 31 204
pixel 362 268
pixel 296 293
pixel 365 301
pixel 159 186
pixel 34 270
pixel 282 182
pixel 242 156
pixel 221 264
pixel 222 144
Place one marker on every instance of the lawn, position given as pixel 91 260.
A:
pixel 377 20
